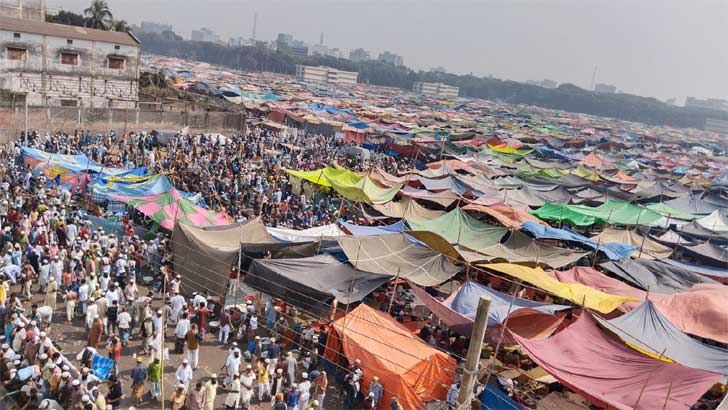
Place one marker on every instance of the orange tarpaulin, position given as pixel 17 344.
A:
pixel 508 216
pixel 409 369
pixel 595 160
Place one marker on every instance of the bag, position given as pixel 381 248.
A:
pixel 266 397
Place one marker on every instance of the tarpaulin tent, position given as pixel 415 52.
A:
pixel 73 164
pixel 493 398
pixel 459 228
pixel 204 255
pixel 168 207
pixel 407 208
pixel 649 331
pixel 692 204
pixel 645 247
pixel 597 280
pixel 351 185
pixel 611 212
pixel 717 273
pixel 595 160
pixel 361 230
pixel 716 222
pixel 306 235
pixel 666 210
pixel 612 375
pixel 444 198
pixel 519 248
pixel 132 186
pixel 409 368
pixel 708 253
pixel 458 310
pixel 508 216
pixel 700 311
pixel 611 250
pixel 394 254
pixel 655 276
pixel 312 283
pixel 575 292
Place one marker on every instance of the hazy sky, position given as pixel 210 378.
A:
pixel 659 48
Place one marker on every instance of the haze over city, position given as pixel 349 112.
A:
pixel 649 48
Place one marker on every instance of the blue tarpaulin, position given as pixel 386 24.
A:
pixel 328 109
pixel 612 250
pixel 359 230
pixel 101 366
pixel 494 398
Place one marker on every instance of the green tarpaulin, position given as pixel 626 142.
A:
pixel 667 210
pixel 459 228
pixel 611 212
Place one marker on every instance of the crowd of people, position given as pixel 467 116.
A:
pixel 58 266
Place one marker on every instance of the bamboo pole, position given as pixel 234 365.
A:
pixel 473 358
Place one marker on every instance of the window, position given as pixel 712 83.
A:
pixel 116 63
pixel 15 53
pixel 69 42
pixel 69 58
pixel 16 35
pixel 117 47
pixel 69 103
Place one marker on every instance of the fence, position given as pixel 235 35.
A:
pixel 52 119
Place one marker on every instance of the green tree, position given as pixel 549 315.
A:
pixel 98 15
pixel 120 25
pixel 68 18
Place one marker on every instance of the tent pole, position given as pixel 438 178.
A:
pixel 164 320
pixel 394 292
pixel 647 381
pixel 472 361
pixel 667 398
pixel 516 288
pixel 596 252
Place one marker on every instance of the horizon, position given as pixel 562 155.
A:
pixel 602 34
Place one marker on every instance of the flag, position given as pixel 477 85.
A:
pixel 101 366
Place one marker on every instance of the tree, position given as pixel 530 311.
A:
pixel 98 15
pixel 68 18
pixel 120 25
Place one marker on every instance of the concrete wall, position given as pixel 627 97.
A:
pixel 68 119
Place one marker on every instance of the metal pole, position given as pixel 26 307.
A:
pixel 472 361
pixel 26 119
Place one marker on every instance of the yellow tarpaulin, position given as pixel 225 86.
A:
pixel 575 292
pixel 351 185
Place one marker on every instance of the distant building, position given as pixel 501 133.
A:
pixel 391 58
pixel 284 39
pixel 546 83
pixel 325 75
pixel 359 55
pixel 23 9
pixel 605 88
pixel 439 69
pixel 715 125
pixel 708 104
pixel 320 50
pixel 436 89
pixel 205 34
pixel 158 28
pixel 55 64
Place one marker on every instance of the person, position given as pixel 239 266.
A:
pixel 210 392
pixel 305 388
pixel 280 404
pixel 97 329
pixel 51 293
pixel 291 365
pixel 314 405
pixel 147 333
pixel 180 333
pixel 394 404
pixel 263 380
pixel 247 382
pixel 232 399
pixel 196 397
pixel 193 338
pixel 124 322
pixel 139 375
pixel 278 382
pixel 369 402
pixel 184 373
pixel 231 366
pixel 179 396
pixel 322 383
pixel 70 298
pixel 376 387
pixel 292 397
pixel 203 314
pixel 115 393
pixel 452 395
pixel 225 326
pixel 154 372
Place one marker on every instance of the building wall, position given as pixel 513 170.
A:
pixel 68 119
pixel 325 75
pixel 91 82
pixel 438 89
pixel 23 9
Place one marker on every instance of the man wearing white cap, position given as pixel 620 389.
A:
pixel 247 382
pixel 305 388
pixel 210 392
pixel 376 387
pixel 19 337
pixel 263 379
pixel 50 404
pixel 231 366
pixel 184 373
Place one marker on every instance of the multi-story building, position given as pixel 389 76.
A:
pixel 325 75
pixel 205 34
pixel 436 89
pixel 23 9
pixel 54 64
pixel 320 50
pixel 391 58
pixel 359 55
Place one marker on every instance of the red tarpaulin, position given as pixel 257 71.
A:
pixel 612 375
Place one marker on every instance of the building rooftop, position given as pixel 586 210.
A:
pixel 61 30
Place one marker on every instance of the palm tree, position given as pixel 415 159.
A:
pixel 98 15
pixel 120 25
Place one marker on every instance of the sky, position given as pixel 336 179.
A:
pixel 657 48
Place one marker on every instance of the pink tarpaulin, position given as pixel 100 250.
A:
pixel 612 375
pixel 699 311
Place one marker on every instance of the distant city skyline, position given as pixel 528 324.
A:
pixel 654 48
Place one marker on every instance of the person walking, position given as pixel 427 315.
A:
pixel 193 338
pixel 184 373
pixel 247 382
pixel 154 371
pixel 210 392
pixel 179 397
pixel 196 397
pixel 139 375
pixel 264 380
pixel 232 399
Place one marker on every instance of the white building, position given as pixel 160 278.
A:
pixel 436 89
pixel 55 64
pixel 205 34
pixel 325 75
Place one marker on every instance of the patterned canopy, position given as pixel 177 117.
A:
pixel 163 208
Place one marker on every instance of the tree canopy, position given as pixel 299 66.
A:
pixel 98 15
